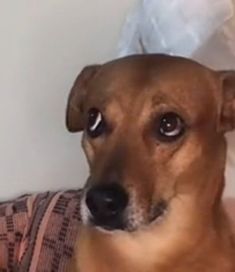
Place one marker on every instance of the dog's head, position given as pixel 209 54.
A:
pixel 153 131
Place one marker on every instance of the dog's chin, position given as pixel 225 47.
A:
pixel 114 224
pixel 128 227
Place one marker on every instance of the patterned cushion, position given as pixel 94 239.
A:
pixel 38 232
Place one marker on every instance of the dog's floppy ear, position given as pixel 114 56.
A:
pixel 227 121
pixel 74 114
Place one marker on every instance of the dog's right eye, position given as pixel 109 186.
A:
pixel 96 125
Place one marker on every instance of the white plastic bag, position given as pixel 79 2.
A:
pixel 173 26
pixel 202 29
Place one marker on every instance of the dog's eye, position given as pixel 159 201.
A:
pixel 170 127
pixel 96 124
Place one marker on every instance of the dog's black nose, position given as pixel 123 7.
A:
pixel 106 204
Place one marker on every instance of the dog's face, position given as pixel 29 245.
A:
pixel 153 131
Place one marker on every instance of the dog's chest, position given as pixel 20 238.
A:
pixel 100 257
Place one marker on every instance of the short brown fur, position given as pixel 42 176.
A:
pixel 196 234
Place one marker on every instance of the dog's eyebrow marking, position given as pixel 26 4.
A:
pixel 98 120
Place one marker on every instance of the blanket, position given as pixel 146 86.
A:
pixel 38 232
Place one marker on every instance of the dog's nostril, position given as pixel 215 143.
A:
pixel 106 201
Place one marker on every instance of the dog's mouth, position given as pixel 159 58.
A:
pixel 138 219
pixel 158 211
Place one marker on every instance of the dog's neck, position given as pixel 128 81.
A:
pixel 186 237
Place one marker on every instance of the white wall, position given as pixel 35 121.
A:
pixel 43 46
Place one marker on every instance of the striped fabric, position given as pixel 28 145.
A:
pixel 38 232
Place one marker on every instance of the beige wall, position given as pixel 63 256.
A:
pixel 43 46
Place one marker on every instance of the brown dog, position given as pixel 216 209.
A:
pixel 154 137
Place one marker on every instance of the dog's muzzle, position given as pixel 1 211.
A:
pixel 110 207
pixel 107 204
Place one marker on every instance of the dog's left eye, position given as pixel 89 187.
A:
pixel 170 127
pixel 96 125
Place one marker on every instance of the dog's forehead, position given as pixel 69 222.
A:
pixel 160 78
